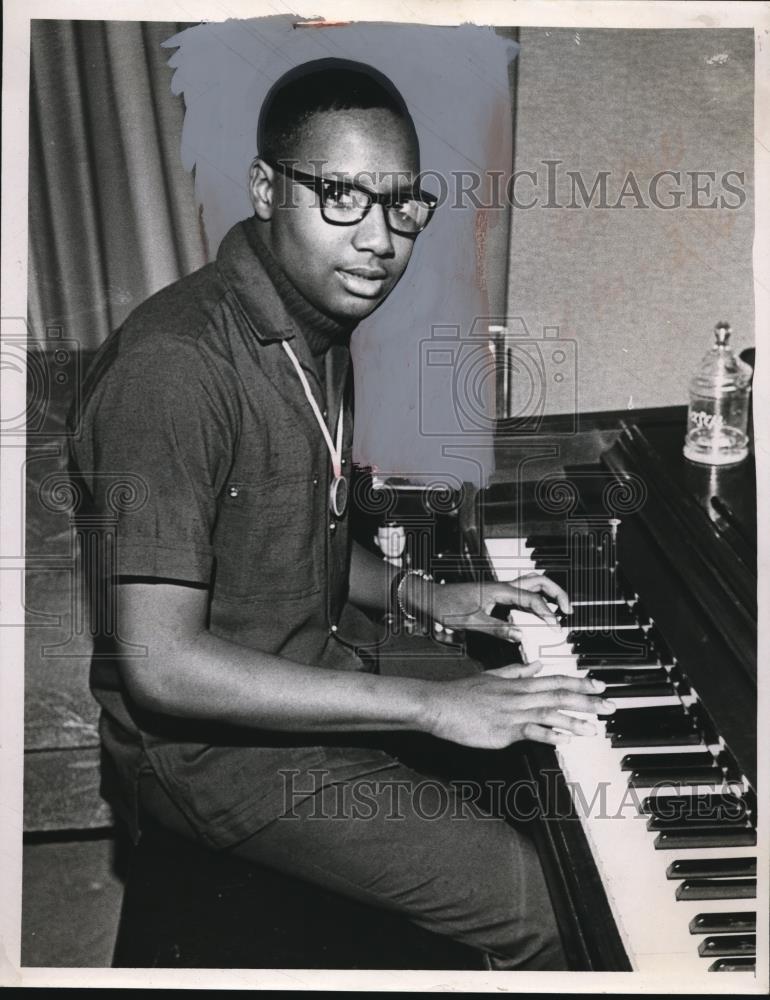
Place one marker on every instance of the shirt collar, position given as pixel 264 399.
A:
pixel 275 309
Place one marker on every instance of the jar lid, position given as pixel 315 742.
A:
pixel 720 369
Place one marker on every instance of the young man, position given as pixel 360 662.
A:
pixel 228 396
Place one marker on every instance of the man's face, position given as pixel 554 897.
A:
pixel 344 271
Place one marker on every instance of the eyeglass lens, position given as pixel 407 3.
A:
pixel 349 205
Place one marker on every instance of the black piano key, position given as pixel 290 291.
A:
pixel 596 588
pixel 712 868
pixel 639 690
pixel 725 945
pixel 550 562
pixel 650 778
pixel 652 727
pixel 664 738
pixel 542 538
pixel 599 617
pixel 667 720
pixel 604 642
pixel 643 658
pixel 650 718
pixel 716 805
pixel 661 646
pixel 579 589
pixel 630 644
pixel 641 761
pixel 723 923
pixel 734 965
pixel 631 677
pixel 722 836
pixel 659 823
pixel 717 888
pixel 642 677
pixel 624 634
pixel 544 543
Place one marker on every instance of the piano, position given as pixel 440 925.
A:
pixel 647 830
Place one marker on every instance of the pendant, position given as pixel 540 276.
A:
pixel 338 495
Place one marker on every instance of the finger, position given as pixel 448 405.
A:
pixel 509 632
pixel 506 594
pixel 531 601
pixel 580 727
pixel 536 582
pixel 481 622
pixel 515 670
pixel 552 589
pixel 559 682
pixel 570 701
pixel 543 734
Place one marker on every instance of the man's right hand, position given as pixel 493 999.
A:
pixel 190 673
pixel 498 707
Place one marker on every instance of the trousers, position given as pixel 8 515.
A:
pixel 409 843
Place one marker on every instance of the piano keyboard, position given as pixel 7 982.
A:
pixel 669 819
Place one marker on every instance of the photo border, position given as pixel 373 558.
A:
pixel 13 295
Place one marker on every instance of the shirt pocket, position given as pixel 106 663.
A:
pixel 267 542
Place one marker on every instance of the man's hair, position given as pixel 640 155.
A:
pixel 318 86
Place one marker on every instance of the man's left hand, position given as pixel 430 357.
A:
pixel 468 605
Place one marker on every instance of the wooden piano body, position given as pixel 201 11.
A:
pixel 684 540
pixel 686 544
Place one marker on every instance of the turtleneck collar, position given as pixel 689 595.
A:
pixel 319 330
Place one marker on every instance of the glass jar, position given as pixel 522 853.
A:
pixel 719 405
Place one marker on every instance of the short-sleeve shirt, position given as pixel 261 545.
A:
pixel 199 452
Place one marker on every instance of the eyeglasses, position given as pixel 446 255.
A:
pixel 344 203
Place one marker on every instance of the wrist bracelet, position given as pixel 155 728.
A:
pixel 400 583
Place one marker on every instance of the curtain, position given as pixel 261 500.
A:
pixel 112 212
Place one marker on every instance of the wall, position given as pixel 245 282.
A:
pixel 638 289
pixel 455 80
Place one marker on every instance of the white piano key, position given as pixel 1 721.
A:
pixel 652 923
pixel 682 751
pixel 658 701
pixel 591 628
pixel 508 562
pixel 601 604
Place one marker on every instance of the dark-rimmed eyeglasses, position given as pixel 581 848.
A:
pixel 344 203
